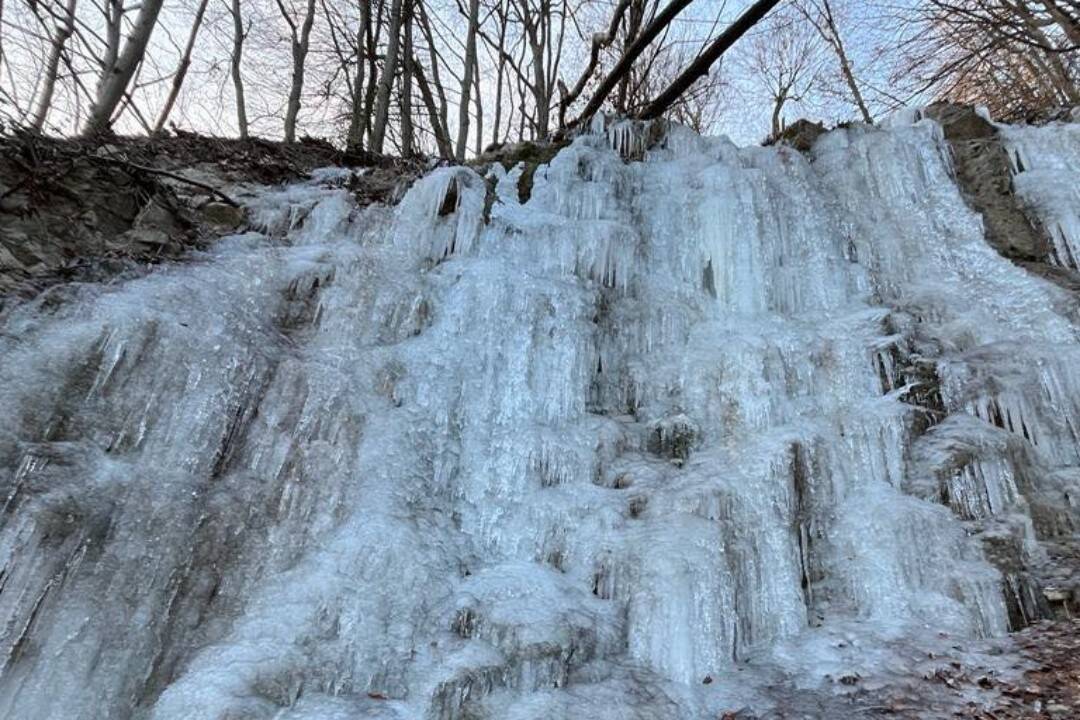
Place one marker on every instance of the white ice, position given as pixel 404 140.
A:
pixel 560 459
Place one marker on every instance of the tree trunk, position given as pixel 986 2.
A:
pixel 181 70
pixel 115 82
pixel 637 16
pixel 406 86
pixel 467 80
pixel 630 55
pixel 114 13
pixel 837 44
pixel 433 53
pixel 237 77
pixel 374 30
pixel 701 65
pixel 354 139
pixel 500 69
pixel 778 109
pixel 1 35
pixel 386 81
pixel 52 66
pixel 300 44
pixel 479 110
pixel 599 42
pixel 853 86
pixel 541 96
pixel 438 125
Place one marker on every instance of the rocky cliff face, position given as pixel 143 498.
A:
pixel 685 429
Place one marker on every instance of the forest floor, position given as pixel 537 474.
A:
pixel 1047 656
pixel 1032 674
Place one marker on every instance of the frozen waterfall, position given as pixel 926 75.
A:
pixel 632 449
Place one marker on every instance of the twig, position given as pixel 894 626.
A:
pixel 158 171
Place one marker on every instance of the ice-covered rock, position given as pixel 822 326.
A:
pixel 686 407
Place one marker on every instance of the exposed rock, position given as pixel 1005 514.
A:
pixel 385 185
pixel 75 209
pixel 221 215
pixel 801 134
pixel 983 173
pixel 67 216
pixel 532 154
pixel 672 438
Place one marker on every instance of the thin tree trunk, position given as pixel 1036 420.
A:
pixel 500 68
pixel 114 13
pixel 357 118
pixel 386 82
pixel 778 109
pixel 637 16
pixel 300 44
pixel 354 137
pixel 555 58
pixel 1 35
pixel 406 85
pixel 114 85
pixel 52 66
pixel 237 76
pixel 181 70
pixel 541 95
pixel 375 30
pixel 849 78
pixel 479 109
pixel 836 42
pixel 438 125
pixel 433 53
pixel 467 80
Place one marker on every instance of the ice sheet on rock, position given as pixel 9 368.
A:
pixel 1045 162
pixel 566 457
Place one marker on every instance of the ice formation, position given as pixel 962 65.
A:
pixel 1047 177
pixel 586 456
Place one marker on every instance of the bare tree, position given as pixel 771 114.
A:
pixel 479 100
pixel 386 80
pixel 467 79
pixel 235 61
pixel 64 29
pixel 630 55
pixel 117 74
pixel 407 133
pixel 785 60
pixel 1 35
pixel 438 124
pixel 1013 56
pixel 373 33
pixel 703 63
pixel 599 42
pixel 300 37
pixel 357 117
pixel 819 13
pixel 181 70
pixel 499 11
